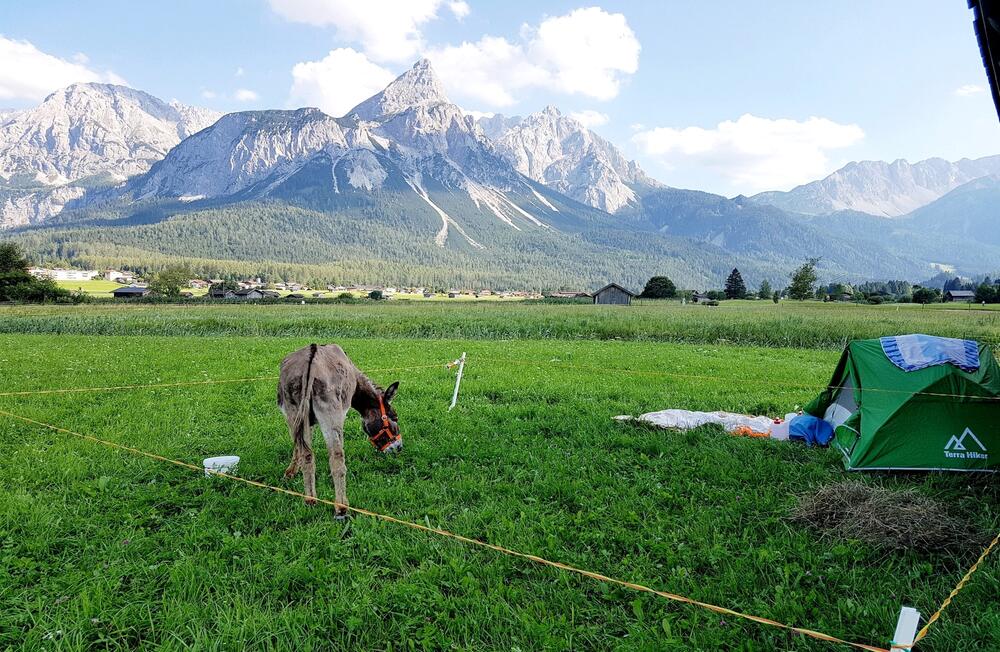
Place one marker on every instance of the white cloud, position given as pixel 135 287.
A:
pixel 753 153
pixel 590 118
pixel 388 30
pixel 637 126
pixel 338 82
pixel 969 89
pixel 209 94
pixel 478 115
pixel 490 70
pixel 585 52
pixel 27 73
pixel 245 95
pixel 239 71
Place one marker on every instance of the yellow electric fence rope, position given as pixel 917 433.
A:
pixel 768 383
pixel 958 587
pixel 189 383
pixel 562 365
pixel 458 537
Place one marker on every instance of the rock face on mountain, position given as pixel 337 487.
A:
pixel 91 129
pixel 408 141
pixel 558 151
pixel 82 136
pixel 881 188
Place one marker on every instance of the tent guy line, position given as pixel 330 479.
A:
pixel 458 537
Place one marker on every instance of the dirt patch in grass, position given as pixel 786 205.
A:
pixel 886 519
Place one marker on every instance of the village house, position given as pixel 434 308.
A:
pixel 571 294
pixel 59 274
pixel 118 276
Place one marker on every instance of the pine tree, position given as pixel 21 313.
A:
pixel 735 287
pixel 765 291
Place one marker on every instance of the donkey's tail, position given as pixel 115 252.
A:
pixel 301 428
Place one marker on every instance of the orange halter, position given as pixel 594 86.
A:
pixel 384 438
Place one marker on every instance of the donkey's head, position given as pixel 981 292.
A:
pixel 380 422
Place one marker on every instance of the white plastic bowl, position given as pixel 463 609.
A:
pixel 221 464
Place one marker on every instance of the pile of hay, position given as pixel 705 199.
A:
pixel 885 519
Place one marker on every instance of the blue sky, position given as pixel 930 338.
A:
pixel 727 97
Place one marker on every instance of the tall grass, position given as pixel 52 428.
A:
pixel 806 325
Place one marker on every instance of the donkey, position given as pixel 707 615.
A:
pixel 319 384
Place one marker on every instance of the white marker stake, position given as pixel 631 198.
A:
pixel 906 628
pixel 458 380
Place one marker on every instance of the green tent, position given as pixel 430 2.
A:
pixel 935 418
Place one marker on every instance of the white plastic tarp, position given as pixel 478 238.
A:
pixel 687 419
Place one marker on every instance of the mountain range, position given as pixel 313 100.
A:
pixel 880 188
pixel 408 188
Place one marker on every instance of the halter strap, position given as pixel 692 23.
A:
pixel 384 438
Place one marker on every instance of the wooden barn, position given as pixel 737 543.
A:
pixel 130 292
pixel 612 293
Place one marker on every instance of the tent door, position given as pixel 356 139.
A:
pixel 843 405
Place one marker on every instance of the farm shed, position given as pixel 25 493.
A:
pixel 221 293
pixel 959 295
pixel 612 293
pixel 249 294
pixel 130 292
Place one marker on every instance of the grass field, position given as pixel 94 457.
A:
pixel 97 287
pixel 101 549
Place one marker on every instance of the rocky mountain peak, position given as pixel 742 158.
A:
pixel 560 152
pixel 417 86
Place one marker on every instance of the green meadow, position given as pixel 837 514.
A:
pixel 101 549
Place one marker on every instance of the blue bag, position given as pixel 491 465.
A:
pixel 810 429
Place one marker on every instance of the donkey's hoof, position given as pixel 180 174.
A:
pixel 309 501
pixel 341 514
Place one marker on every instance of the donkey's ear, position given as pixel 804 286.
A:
pixel 390 391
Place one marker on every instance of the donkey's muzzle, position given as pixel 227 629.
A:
pixel 385 441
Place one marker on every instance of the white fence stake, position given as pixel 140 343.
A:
pixel 906 629
pixel 458 380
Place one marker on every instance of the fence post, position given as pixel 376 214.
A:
pixel 906 629
pixel 458 380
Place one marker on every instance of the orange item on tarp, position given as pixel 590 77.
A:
pixel 747 431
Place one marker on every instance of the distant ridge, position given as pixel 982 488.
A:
pixel 881 188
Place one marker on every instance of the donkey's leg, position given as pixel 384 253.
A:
pixel 293 466
pixel 332 423
pixel 308 462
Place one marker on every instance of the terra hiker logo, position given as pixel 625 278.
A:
pixel 967 446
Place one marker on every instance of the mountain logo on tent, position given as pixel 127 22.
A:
pixel 959 447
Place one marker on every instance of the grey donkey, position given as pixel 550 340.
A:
pixel 318 385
